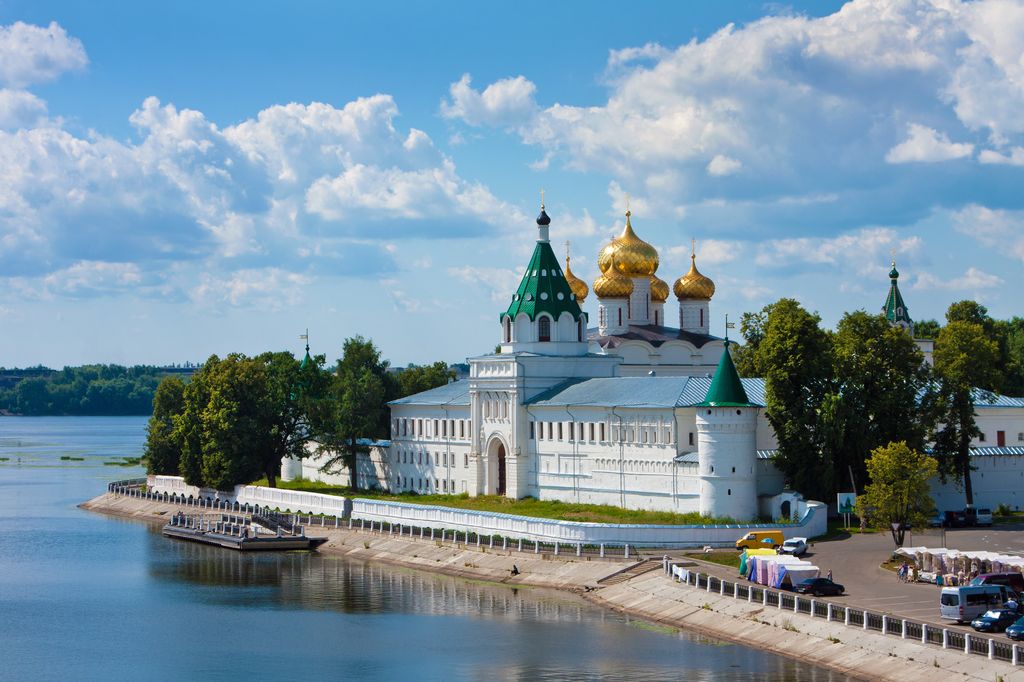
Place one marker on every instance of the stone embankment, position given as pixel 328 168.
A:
pixel 650 595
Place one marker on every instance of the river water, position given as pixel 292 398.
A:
pixel 84 596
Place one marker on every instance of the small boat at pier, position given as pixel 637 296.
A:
pixel 259 532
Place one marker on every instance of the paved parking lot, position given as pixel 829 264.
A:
pixel 855 564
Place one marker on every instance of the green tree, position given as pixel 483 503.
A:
pixel 966 357
pixel 1013 383
pixel 291 389
pixel 163 450
pixel 188 426
pixel 33 396
pixel 880 376
pixel 752 329
pixel 898 495
pixel 927 329
pixel 794 359
pixel 355 407
pixel 235 423
pixel 416 379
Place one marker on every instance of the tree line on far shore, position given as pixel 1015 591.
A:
pixel 93 390
pixel 238 416
pixel 833 397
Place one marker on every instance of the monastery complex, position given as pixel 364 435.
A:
pixel 630 412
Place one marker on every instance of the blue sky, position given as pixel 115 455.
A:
pixel 182 180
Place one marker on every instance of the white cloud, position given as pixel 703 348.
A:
pixel 723 165
pixel 973 279
pixel 1015 157
pixel 627 55
pixel 507 102
pixel 748 289
pixel 811 105
pixel 34 54
pixel 296 186
pixel 1000 230
pixel 865 251
pixel 20 109
pixel 264 288
pixel 500 283
pixel 710 251
pixel 924 144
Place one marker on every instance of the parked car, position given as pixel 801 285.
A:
pixel 1012 579
pixel 995 621
pixel 983 517
pixel 794 546
pixel 954 519
pixel 967 602
pixel 937 520
pixel 760 539
pixel 818 587
pixel 1016 631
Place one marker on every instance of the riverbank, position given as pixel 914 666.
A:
pixel 649 596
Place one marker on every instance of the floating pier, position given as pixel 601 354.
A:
pixel 257 532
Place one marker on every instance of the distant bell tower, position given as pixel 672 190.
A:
pixel 895 310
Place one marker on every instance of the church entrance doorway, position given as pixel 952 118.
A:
pixel 501 469
pixel 497 483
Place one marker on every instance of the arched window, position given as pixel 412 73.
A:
pixel 620 317
pixel 702 317
pixel 655 318
pixel 579 330
pixel 544 328
pixel 506 326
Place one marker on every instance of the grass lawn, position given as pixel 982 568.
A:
pixel 547 509
pixel 723 557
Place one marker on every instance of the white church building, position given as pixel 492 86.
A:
pixel 631 412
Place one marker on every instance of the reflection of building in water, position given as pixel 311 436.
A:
pixel 319 582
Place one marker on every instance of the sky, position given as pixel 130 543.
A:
pixel 183 179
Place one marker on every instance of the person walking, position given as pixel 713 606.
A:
pixel 829 576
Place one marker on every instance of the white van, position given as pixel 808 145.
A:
pixel 967 602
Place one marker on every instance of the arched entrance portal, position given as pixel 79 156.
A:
pixel 501 469
pixel 497 480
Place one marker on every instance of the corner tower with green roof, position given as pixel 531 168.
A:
pixel 544 316
pixel 727 446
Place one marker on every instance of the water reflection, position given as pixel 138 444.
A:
pixel 490 630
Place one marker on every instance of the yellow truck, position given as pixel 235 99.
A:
pixel 760 539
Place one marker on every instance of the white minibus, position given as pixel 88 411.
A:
pixel 967 602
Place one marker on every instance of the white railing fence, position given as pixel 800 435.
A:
pixel 813 523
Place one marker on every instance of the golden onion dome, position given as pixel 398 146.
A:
pixel 577 285
pixel 659 289
pixel 693 284
pixel 612 283
pixel 633 256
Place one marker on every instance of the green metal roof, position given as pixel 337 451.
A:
pixel 895 310
pixel 726 389
pixel 544 288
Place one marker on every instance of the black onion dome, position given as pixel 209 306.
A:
pixel 543 218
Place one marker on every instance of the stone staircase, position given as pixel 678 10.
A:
pixel 645 566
